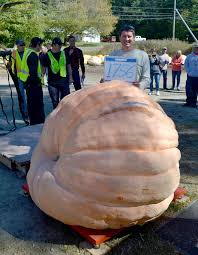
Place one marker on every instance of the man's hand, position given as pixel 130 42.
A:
pixel 83 76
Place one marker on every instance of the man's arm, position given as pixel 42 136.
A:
pixel 82 65
pixel 186 64
pixel 145 75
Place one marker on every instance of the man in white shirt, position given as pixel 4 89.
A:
pixel 164 61
pixel 127 39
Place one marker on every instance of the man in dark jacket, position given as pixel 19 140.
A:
pixel 31 76
pixel 76 60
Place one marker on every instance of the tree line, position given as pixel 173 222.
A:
pixel 152 19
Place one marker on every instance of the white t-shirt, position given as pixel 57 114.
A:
pixel 143 64
pixel 164 61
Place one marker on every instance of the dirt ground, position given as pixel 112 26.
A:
pixel 25 230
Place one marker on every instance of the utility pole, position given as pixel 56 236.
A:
pixel 174 18
pixel 190 31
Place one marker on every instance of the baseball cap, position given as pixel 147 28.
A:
pixel 20 42
pixel 57 40
pixel 164 48
pixel 195 44
pixel 35 41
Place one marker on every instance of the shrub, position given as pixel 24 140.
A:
pixel 172 46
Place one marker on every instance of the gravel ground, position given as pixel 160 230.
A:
pixel 24 229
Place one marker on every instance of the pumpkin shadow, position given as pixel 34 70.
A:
pixel 186 120
pixel 175 234
pixel 22 219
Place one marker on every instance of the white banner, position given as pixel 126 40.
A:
pixel 119 68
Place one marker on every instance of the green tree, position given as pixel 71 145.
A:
pixel 100 15
pixel 72 17
pixel 66 18
pixel 155 18
pixel 21 21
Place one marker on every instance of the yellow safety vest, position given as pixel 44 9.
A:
pixel 24 74
pixel 58 66
pixel 16 62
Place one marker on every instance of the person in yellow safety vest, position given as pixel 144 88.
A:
pixel 31 75
pixel 16 59
pixel 55 62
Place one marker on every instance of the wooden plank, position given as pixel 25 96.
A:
pixel 16 147
pixel 96 236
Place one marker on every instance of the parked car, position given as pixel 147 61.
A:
pixel 138 38
pixel 109 39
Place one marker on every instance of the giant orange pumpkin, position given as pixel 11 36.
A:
pixel 107 158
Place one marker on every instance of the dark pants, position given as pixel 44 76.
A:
pixel 35 104
pixel 58 90
pixel 191 91
pixel 164 73
pixel 76 79
pixel 176 74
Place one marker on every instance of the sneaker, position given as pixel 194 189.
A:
pixel 178 88
pixel 157 93
pixel 150 93
pixel 26 122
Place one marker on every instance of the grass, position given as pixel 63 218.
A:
pixel 177 206
pixel 105 48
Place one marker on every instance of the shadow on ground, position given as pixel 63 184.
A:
pixel 22 219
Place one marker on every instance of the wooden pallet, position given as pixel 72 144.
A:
pixel 16 147
pixel 94 236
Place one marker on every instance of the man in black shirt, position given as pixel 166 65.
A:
pixel 31 70
pixel 75 59
pixel 55 62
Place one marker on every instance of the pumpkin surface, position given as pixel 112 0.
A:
pixel 107 158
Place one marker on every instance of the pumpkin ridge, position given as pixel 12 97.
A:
pixel 86 160
pixel 85 199
pixel 145 193
pixel 120 147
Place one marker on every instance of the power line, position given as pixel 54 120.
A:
pixel 146 16
pixel 141 7
pixel 151 18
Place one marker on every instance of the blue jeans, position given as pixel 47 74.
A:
pixel 23 103
pixel 155 76
pixel 58 90
pixel 176 74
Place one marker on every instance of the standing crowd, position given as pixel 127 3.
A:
pixel 159 66
pixel 29 65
